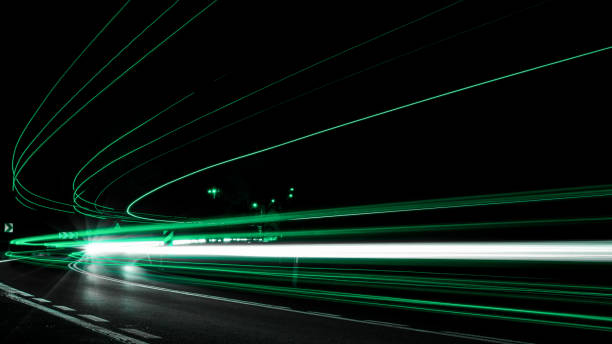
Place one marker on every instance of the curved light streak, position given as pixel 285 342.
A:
pixel 240 157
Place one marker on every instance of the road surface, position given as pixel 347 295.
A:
pixel 157 312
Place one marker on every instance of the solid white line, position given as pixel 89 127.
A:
pixel 326 314
pixel 376 322
pixel 92 318
pixel 140 333
pixel 467 335
pixel 73 267
pixel 41 300
pixel 95 328
pixel 64 308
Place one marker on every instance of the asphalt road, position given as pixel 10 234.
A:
pixel 159 312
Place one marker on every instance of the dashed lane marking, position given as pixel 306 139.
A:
pixel 14 291
pixel 41 300
pixel 13 294
pixel 140 333
pixel 64 308
pixel 92 318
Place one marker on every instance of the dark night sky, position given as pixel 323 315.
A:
pixel 540 130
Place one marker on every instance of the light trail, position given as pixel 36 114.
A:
pixel 20 195
pixel 23 204
pixel 13 165
pixel 269 148
pixel 74 267
pixel 76 188
pixel 257 91
pixel 578 251
pixel 83 87
pixel 371 209
pixel 348 276
pixel 349 272
pixel 110 84
pixel 564 319
pixel 291 99
pixel 17 171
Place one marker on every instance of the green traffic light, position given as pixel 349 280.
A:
pixel 254 205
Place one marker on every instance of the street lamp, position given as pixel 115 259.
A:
pixel 213 192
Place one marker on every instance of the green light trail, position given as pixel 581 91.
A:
pixel 419 205
pixel 286 101
pixel 16 172
pixel 23 204
pixel 376 283
pixel 334 264
pixel 485 311
pixel 377 279
pixel 132 204
pixel 13 165
pixel 111 83
pixel 329 58
pixel 83 87
pixel 20 195
pixel 373 278
pixel 19 185
pixel 76 188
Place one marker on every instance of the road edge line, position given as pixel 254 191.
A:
pixel 10 294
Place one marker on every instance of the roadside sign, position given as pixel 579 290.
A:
pixel 8 227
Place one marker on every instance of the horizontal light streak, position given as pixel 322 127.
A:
pixel 96 248
pixel 594 251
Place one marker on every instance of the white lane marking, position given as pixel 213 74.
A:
pixel 92 318
pixel 95 328
pixel 64 308
pixel 73 267
pixel 14 291
pixel 325 314
pixel 251 303
pixel 140 333
pixel 376 322
pixel 41 300
pixel 473 336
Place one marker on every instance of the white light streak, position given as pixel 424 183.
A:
pixel 540 251
pixel 103 247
